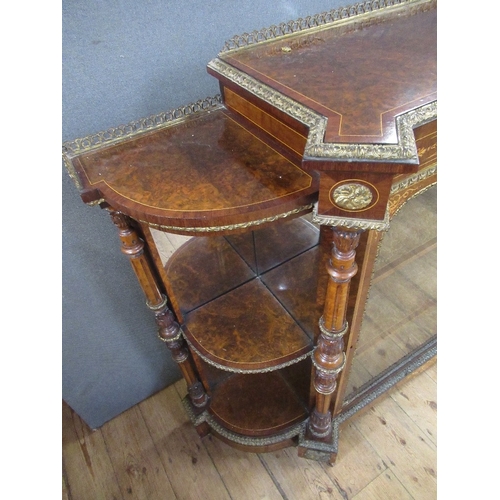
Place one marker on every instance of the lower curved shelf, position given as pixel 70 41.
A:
pixel 258 412
pixel 257 405
pixel 255 444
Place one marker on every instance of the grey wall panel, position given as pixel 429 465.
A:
pixel 124 60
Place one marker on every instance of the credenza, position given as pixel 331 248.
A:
pixel 307 187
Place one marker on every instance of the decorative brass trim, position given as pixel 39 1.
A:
pixel 254 441
pixel 330 334
pixel 173 339
pixel 387 379
pixel 298 111
pixel 114 135
pixel 413 179
pixel 352 223
pixel 404 151
pixel 403 191
pixel 250 370
pixel 153 122
pixel 316 21
pixel 229 227
pixel 71 171
pixel 352 196
pixel 296 430
pixel 159 306
pixel 334 371
pixel 318 450
pixel 95 202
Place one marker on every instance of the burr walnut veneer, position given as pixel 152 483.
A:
pixel 325 129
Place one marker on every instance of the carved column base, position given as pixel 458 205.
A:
pixel 320 425
pixel 198 397
pixel 170 333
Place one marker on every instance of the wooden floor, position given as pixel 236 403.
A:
pixel 387 451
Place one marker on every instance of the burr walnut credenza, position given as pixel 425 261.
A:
pixel 307 185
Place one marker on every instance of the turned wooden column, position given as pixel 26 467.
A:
pixel 328 357
pixel 169 330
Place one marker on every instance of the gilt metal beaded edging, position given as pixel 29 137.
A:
pixel 246 370
pixel 197 420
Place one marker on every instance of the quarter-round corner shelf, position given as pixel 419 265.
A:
pixel 242 312
pixel 201 174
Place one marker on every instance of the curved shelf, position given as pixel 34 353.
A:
pixel 203 173
pixel 258 412
pixel 234 398
pixel 254 332
pixel 248 302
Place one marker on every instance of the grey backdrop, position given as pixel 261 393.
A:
pixel 124 60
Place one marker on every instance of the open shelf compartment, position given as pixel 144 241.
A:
pixel 248 301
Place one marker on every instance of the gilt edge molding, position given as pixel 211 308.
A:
pixel 205 417
pixel 228 227
pixel 247 370
pixel 352 223
pixel 404 151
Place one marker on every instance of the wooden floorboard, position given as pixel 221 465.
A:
pixel 139 470
pixel 88 471
pixel 386 451
pixel 358 463
pixel 187 463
